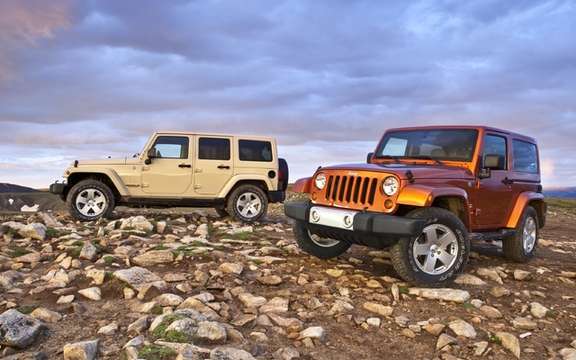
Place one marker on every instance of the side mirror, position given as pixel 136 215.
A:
pixel 150 154
pixel 485 173
pixel 369 157
pixel 490 162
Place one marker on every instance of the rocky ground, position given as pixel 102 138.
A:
pixel 184 285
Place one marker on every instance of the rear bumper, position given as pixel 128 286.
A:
pixel 276 196
pixel 58 188
pixel 364 222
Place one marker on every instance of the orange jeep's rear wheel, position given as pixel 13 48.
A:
pixel 90 200
pixel 438 254
pixel 521 247
pixel 323 248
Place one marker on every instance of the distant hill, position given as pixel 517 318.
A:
pixel 562 193
pixel 11 188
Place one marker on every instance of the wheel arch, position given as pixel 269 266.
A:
pixel 262 184
pixel 112 182
pixel 452 199
pixel 534 199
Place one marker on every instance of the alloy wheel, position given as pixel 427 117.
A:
pixel 436 250
pixel 249 205
pixel 91 202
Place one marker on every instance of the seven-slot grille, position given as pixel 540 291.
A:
pixel 359 190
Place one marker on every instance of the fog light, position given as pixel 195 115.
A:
pixel 348 222
pixel 388 204
pixel 315 216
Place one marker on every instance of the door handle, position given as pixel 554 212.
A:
pixel 184 166
pixel 507 181
pixel 222 167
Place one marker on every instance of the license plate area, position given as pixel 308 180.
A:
pixel 337 218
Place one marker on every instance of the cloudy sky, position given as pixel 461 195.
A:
pixel 89 79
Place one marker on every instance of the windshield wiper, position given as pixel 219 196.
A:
pixel 426 157
pixel 387 157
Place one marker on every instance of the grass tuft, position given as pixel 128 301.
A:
pixel 156 352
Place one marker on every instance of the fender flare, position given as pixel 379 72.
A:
pixel 111 174
pixel 303 186
pixel 234 180
pixel 521 202
pixel 424 196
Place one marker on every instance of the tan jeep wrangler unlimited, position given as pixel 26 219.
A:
pixel 424 194
pixel 236 175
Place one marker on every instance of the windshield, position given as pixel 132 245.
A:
pixel 448 144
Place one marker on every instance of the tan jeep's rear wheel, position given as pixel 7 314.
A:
pixel 90 200
pixel 438 254
pixel 247 203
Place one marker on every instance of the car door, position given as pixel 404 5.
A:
pixel 214 164
pixel 494 194
pixel 169 172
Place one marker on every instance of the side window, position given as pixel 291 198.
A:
pixel 525 157
pixel 496 145
pixel 171 147
pixel 251 150
pixel 213 149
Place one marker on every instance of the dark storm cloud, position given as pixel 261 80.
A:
pixel 93 78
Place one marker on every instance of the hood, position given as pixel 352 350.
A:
pixel 419 171
pixel 122 161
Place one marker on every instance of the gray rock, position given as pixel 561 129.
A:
pixel 524 324
pixel 140 279
pixel 8 279
pixel 139 223
pixel 85 350
pixel 510 343
pixel 445 340
pixel 538 310
pixel 568 354
pixel 89 251
pixel 93 293
pixel 462 328
pixel 468 279
pixel 287 353
pixel 314 332
pixel 18 330
pixel 211 332
pixel 251 301
pixel 379 309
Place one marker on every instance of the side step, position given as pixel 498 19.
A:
pixel 492 235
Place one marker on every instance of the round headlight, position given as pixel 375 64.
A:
pixel 390 185
pixel 320 181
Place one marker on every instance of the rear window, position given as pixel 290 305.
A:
pixel 213 149
pixel 525 157
pixel 252 150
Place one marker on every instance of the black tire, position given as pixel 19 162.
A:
pixel 240 191
pixel 402 252
pixel 222 213
pixel 513 246
pixel 80 188
pixel 306 243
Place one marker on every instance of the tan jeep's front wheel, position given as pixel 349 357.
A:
pixel 438 254
pixel 90 200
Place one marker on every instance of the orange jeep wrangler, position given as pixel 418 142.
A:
pixel 424 194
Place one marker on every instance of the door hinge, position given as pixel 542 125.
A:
pixel 144 185
pixel 197 187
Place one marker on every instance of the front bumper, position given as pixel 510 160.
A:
pixel 363 222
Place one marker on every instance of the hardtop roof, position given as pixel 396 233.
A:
pixel 471 127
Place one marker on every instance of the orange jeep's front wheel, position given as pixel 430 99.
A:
pixel 438 254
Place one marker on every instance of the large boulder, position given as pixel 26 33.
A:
pixel 18 330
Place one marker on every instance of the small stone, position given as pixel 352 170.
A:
pixel 491 312
pixel 314 332
pixel 154 257
pixel 468 279
pixel 481 348
pixel 227 353
pixel 455 295
pixel 521 275
pixel 445 340
pixel 66 299
pixel 271 280
pixel 89 251
pixel 276 305
pixel 499 291
pixel 93 293
pixel 491 274
pixel 287 353
pixel 169 300
pixel 538 310
pixel 379 309
pixel 434 329
pixel 335 273
pixel 374 321
pixel 211 332
pixel 510 343
pixel 139 278
pixel 231 268
pixel 46 315
pixel 408 333
pixel 139 223
pixel 85 350
pixel 160 227
pixel 568 354
pixel 462 328
pixel 251 301
pixel 524 324
pixel 109 329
